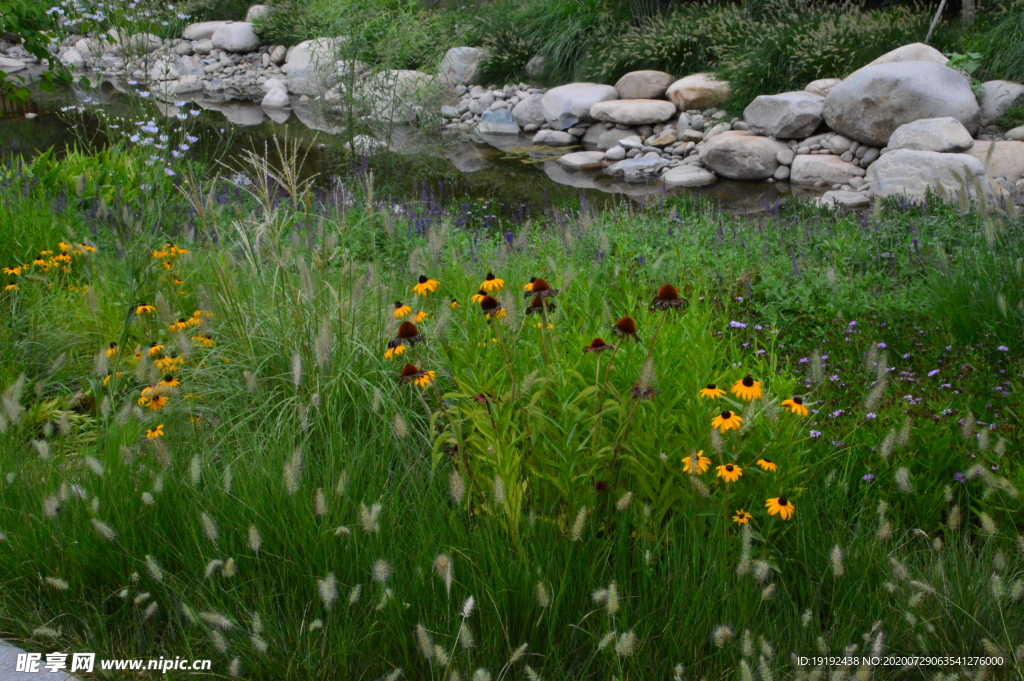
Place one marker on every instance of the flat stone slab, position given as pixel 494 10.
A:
pixel 633 111
pixel 843 199
pixel 583 160
pixel 11 65
pixel 688 176
pixel 9 663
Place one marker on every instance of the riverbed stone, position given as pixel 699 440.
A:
pixel 688 176
pixel 554 138
pixel 236 37
pixel 822 86
pixel 639 169
pixel 391 95
pixel 11 65
pixel 567 105
pixel 633 111
pixel 277 98
pixel 644 85
pixel 912 52
pixel 529 111
pixel 1016 134
pixel 604 138
pixel 142 43
pixel 788 115
pixel 911 173
pixel 203 30
pixel 944 135
pixel 583 160
pixel 257 12
pixel 203 47
pixel 810 169
pixel 996 96
pixel 461 65
pixel 875 100
pixel 310 64
pixel 616 153
pixel 742 155
pixel 500 122
pixel 1003 158
pixel 698 91
pixel 843 199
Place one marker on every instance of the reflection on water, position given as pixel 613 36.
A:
pixel 508 170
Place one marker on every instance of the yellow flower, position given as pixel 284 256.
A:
pixel 453 304
pixel 394 352
pixel 112 349
pixel 419 316
pixel 155 403
pixel 741 517
pixel 767 465
pixel 780 506
pixel 712 392
pixel 154 433
pixel 425 286
pixel 478 296
pixel 144 308
pixel 419 377
pixel 697 462
pixel 747 389
pixel 11 287
pixel 730 472
pixel 13 271
pixel 726 421
pixel 170 381
pixel 86 248
pixel 796 406
pixel 201 314
pixel 155 349
pixel 492 284
pixel 401 309
pixel 540 325
pixel 203 339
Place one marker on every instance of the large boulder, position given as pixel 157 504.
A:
pixel 944 135
pixel 911 174
pixel 276 98
pixel 790 115
pixel 391 95
pixel 688 175
pixel 529 111
pixel 582 160
pixel 639 169
pixel 310 65
pixel 912 52
pixel 498 122
pixel 11 65
pixel 872 102
pixel 257 12
pixel 236 37
pixel 602 138
pixel 554 138
pixel 996 96
pixel 461 65
pixel 142 43
pixel 742 155
pixel 633 111
pixel 566 105
pixel 822 86
pixel 643 85
pixel 204 30
pixel 810 169
pixel 1003 159
pixel 698 91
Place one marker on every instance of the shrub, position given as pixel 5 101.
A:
pixel 1000 40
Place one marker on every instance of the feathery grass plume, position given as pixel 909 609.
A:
pixel 316 625
pixel 342 486
pixel 899 570
pixel 903 439
pixel 328 588
pixel 255 540
pixel 401 430
pixel 836 558
pixel 885 449
pixel 153 568
pixel 150 610
pixel 424 642
pixel 293 471
pixel 626 645
pixel 3 536
pixel 747 644
pixel 764 669
pixel 482 675
pixel 93 463
pixel 768 592
pixel 46 631
pixel 319 503
pixel 259 643
pixel 369 518
pixel 42 449
pixel 606 640
pixel 517 654
pixel 983 440
pixel 937 545
pixel 354 594
pixel 148 499
pixel 991 649
pixel 209 527
pixel 195 470
pixel 296 369
pixel 104 530
pixel 381 571
pixel 677 673
pixel 624 501
pixel 579 524
pixel 903 480
pixel 235 668
pixel 999 562
pixel 249 378
pixel 498 490
pixel 212 566
pixel 1000 448
pixel 456 487
pixel 988 526
pixel 766 649
pixel 465 637
pixel 874 397
pixel 762 571
pixel 530 673
pixel 721 635
pixel 745 672
pixel 543 597
pixel 1016 592
pixel 806 618
pixel 699 487
pixel 219 642
pixel 324 343
pixel 392 676
pixel 968 426
pixel 996 584
pixel 342 531
pixel 441 657
pixel 443 567
pixel 216 620
pixel 817 369
pixel 57 583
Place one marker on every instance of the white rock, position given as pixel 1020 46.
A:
pixel 996 96
pixel 631 141
pixel 843 199
pixel 633 111
pixel 203 47
pixel 500 122
pixel 257 12
pixel 567 105
pixel 822 86
pixel 640 169
pixel 789 115
pixel 698 91
pixel 603 138
pixel 461 65
pixel 73 58
pixel 616 153
pixel 273 84
pixel 1003 159
pixel 809 169
pixel 643 85
pixel 142 43
pixel 912 52
pixel 277 98
pixel 944 135
pixel 688 176
pixel 278 54
pixel 310 64
pixel 583 160
pixel 742 155
pixel 554 138
pixel 204 30
pixel 870 104
pixel 529 111
pixel 1016 134
pixel 11 65
pixel 910 173
pixel 236 37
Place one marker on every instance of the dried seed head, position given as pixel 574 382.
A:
pixel 768 592
pixel 517 654
pixel 988 526
pixel 226 479
pixel 381 571
pixel 467 607
pixel 626 645
pixel 212 567
pixel 104 530
pixel 230 568
pixel 328 588
pixel 579 524
pixel 903 480
pixel 836 557
pixel 721 635
pixel 354 594
pixel 216 620
pixel 56 583
pixel 424 642
pixel 456 487
pixel 255 540
pixel 543 598
pixel 209 527
pixel 401 430
pixel 369 518
pixel 624 501
pixel 606 641
pixel 153 568
pixel 195 470
pixel 443 568
pixel 319 503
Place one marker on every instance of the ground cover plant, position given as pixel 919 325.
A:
pixel 310 432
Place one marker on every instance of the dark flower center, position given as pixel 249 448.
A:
pixel 729 468
pixel 154 345
pixel 410 370
pixel 798 400
pixel 113 345
pixel 783 501
pixel 489 277
pixel 712 386
pixel 423 279
pixel 489 303
pixel 398 304
pixel 749 382
pixel 168 378
pixel 726 414
pixel 766 460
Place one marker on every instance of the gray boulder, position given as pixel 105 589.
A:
pixel 698 91
pixel 277 98
pixel 599 137
pixel 236 37
pixel 392 95
pixel 810 169
pixel 461 65
pixel 500 122
pixel 529 111
pixel 582 160
pixel 643 85
pixel 10 65
pixel 872 102
pixel 535 67
pixel 1004 158
pixel 742 155
pixel 996 96
pixel 688 176
pixel 567 105
pixel 633 111
pixel 944 135
pixel 911 174
pixel 257 12
pixel 204 30
pixel 639 169
pixel 142 43
pixel 554 138
pixel 789 115
pixel 822 86
pixel 310 64
pixel 912 52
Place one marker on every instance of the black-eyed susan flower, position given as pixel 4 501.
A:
pixel 419 316
pixel 539 305
pixel 696 463
pixel 411 374
pixel 780 506
pixel 183 324
pixel 169 381
pixel 478 296
pixel 711 392
pixel 153 402
pixel 169 363
pixel 144 308
pixel 155 349
pixel 667 297
pixel 202 314
pixel 726 421
pixel 491 284
pixel 155 433
pixel 767 465
pixel 625 328
pixel 453 304
pixel 110 375
pixel 85 248
pixel 204 339
pixel 729 472
pixel 796 406
pixel 425 286
pixel 597 345
pixel 528 286
pixel 491 308
pixel 741 517
pixel 407 334
pixel 539 287
pixel 747 389
pixel 13 271
pixel 394 352
pixel 401 310
pixel 12 287
pixel 540 325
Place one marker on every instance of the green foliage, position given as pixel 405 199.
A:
pixel 1012 118
pixel 999 39
pixel 29 21
pixel 214 10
